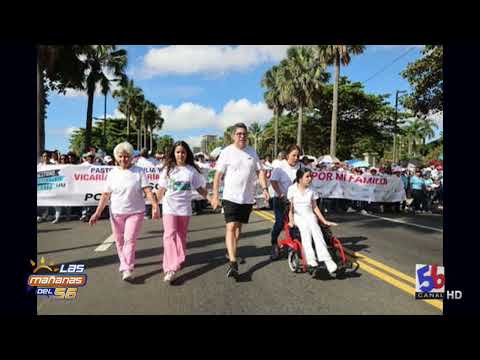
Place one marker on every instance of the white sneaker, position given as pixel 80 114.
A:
pixel 350 210
pixel 364 212
pixel 169 276
pixel 331 266
pixel 126 275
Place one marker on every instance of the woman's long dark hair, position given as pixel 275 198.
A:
pixel 171 162
pixel 300 172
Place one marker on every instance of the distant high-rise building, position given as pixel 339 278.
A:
pixel 196 149
pixel 207 140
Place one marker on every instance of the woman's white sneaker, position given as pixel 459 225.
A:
pixel 126 275
pixel 169 276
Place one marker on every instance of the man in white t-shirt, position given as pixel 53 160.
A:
pixel 241 166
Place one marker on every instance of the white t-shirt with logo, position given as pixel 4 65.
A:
pixel 179 184
pixel 284 174
pixel 302 202
pixel 126 188
pixel 240 167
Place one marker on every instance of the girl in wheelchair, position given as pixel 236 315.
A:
pixel 304 213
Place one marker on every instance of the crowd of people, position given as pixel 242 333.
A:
pixel 285 184
pixel 423 185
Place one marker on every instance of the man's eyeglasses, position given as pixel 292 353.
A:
pixel 241 134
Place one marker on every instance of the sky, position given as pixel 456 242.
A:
pixel 202 89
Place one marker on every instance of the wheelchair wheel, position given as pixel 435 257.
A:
pixel 294 261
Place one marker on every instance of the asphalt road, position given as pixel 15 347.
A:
pixel 390 248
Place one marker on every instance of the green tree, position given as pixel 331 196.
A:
pixel 165 143
pixel 115 130
pixel 365 122
pixel 128 96
pixel 255 130
pixel 100 59
pixel 426 79
pixel 271 81
pixel 336 55
pixel 58 68
pixel 300 80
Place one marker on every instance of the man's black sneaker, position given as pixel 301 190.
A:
pixel 275 255
pixel 232 270
pixel 241 260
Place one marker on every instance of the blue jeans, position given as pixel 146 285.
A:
pixel 279 208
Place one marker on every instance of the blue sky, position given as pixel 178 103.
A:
pixel 203 89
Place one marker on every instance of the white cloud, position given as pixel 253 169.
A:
pixel 193 141
pixel 65 132
pixel 116 115
pixel 189 116
pixel 191 59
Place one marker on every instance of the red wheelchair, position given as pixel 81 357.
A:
pixel 292 244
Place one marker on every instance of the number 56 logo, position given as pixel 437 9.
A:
pixel 430 281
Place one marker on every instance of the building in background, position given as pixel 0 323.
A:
pixel 196 149
pixel 206 141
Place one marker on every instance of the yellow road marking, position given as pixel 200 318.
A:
pixel 362 260
pixel 385 268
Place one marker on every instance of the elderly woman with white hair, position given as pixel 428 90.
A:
pixel 124 187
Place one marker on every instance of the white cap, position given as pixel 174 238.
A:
pixel 107 158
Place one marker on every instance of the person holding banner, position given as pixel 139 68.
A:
pixel 282 178
pixel 180 176
pixel 304 213
pixel 241 166
pixel 124 188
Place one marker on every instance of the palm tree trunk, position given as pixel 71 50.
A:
pixel 151 139
pixel 40 117
pixel 299 128
pixel 104 140
pixel 128 123
pixel 276 135
pixel 88 127
pixel 333 135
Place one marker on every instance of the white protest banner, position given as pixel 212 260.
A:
pixel 82 185
pixel 78 185
pixel 345 185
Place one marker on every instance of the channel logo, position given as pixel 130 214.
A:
pixel 58 282
pixel 429 282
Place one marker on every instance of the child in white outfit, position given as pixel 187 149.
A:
pixel 304 213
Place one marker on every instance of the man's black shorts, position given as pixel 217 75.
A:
pixel 234 212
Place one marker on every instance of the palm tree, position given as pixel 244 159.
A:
pixel 137 111
pixel 428 127
pixel 152 119
pixel 414 132
pixel 271 81
pixel 98 60
pixel 299 80
pixel 157 123
pixel 58 68
pixel 255 130
pixel 128 96
pixel 336 55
